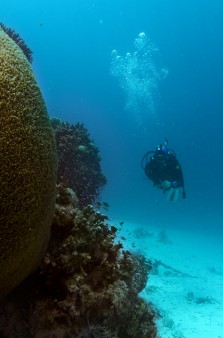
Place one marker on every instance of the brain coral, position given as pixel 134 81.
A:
pixel 27 168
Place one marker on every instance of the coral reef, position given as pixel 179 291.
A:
pixel 19 41
pixel 86 286
pixel 78 161
pixel 27 168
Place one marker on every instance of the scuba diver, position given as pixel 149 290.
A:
pixel 163 169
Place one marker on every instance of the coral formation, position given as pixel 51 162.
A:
pixel 27 168
pixel 78 161
pixel 19 41
pixel 86 286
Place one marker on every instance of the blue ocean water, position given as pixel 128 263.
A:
pixel 72 42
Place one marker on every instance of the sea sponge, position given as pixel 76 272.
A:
pixel 28 166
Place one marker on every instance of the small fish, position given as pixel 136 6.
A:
pixel 105 205
pixel 121 223
pixel 114 229
pixel 98 205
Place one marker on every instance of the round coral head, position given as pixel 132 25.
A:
pixel 28 167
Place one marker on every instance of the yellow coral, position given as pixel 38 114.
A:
pixel 27 168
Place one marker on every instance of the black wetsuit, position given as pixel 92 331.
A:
pixel 163 166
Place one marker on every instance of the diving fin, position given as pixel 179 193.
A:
pixel 172 194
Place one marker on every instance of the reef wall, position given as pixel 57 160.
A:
pixel 86 285
pixel 79 161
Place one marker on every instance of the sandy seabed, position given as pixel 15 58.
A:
pixel 186 282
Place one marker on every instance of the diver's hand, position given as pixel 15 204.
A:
pixel 166 185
